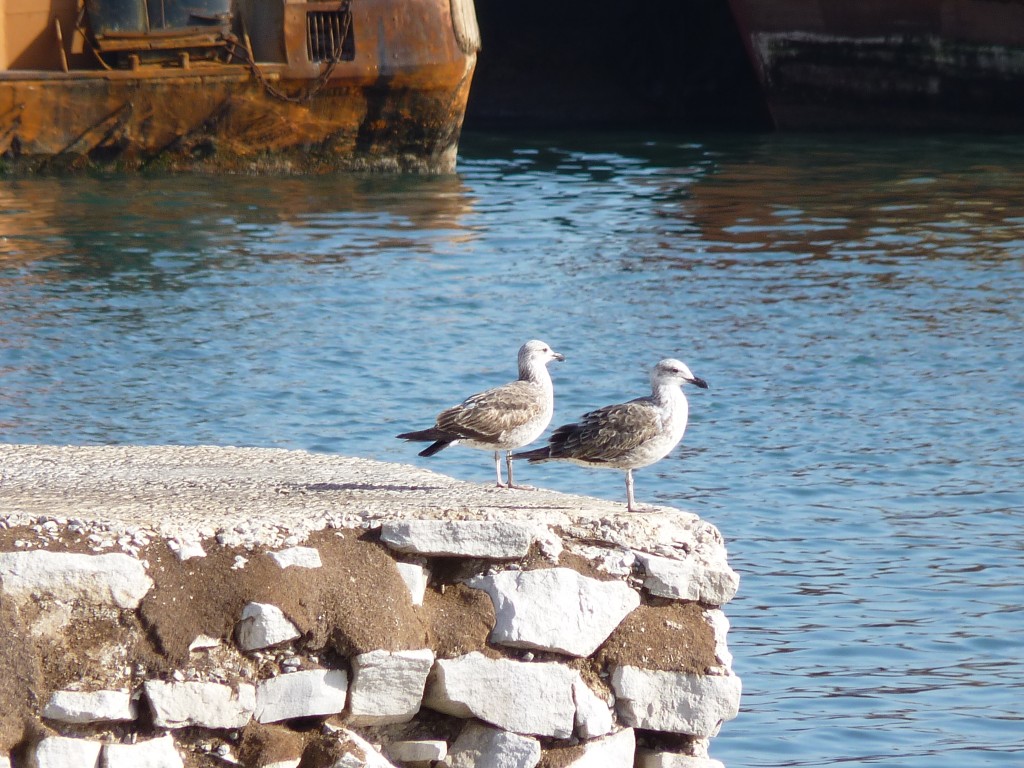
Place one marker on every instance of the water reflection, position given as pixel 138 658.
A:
pixel 90 226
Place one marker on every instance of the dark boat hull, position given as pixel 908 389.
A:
pixel 902 64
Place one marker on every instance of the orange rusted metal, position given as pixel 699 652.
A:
pixel 281 85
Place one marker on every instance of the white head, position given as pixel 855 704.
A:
pixel 671 371
pixel 536 352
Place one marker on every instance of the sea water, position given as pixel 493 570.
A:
pixel 856 305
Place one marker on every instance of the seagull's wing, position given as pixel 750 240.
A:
pixel 488 415
pixel 606 434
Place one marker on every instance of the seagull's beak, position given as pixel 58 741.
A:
pixel 699 382
pixel 558 356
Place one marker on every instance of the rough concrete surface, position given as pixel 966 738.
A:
pixel 263 495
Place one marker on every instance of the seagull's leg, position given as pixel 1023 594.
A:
pixel 497 468
pixel 630 503
pixel 508 462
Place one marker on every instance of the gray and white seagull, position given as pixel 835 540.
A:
pixel 503 418
pixel 627 435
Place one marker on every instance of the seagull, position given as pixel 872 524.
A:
pixel 502 418
pixel 627 435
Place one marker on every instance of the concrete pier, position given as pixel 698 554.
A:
pixel 272 605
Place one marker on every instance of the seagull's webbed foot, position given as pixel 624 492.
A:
pixel 634 507
pixel 511 483
pixel 631 505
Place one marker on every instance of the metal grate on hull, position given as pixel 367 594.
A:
pixel 329 35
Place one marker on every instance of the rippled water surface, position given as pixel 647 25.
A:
pixel 857 307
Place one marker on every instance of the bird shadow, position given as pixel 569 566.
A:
pixel 532 507
pixel 332 487
pixel 335 487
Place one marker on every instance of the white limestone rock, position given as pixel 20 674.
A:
pixel 593 715
pixel 720 626
pixel 464 538
pixel 209 705
pixel 550 543
pixel 294 763
pixel 186 548
pixel 299 557
pixel 615 751
pixel 528 698
pixel 155 753
pixel 203 643
pixel 112 579
pixel 480 746
pixel 555 609
pixel 415 753
pixel 646 758
pixel 357 752
pixel 309 693
pixel 90 706
pixel 263 625
pixel 711 582
pixel 700 746
pixel 63 752
pixel 387 686
pixel 5 762
pixel 415 578
pixel 676 702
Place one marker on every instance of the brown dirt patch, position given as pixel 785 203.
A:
pixel 536 560
pixel 559 757
pixel 269 744
pixel 96 649
pixel 592 672
pixel 328 750
pixel 671 638
pixel 19 677
pixel 461 619
pixel 356 602
pixel 585 567
pixel 59 540
pixel 660 741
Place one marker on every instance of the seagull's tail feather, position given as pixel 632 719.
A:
pixel 441 439
pixel 433 448
pixel 424 435
pixel 555 449
pixel 537 454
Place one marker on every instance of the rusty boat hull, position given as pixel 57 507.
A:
pixel 266 100
pixel 898 64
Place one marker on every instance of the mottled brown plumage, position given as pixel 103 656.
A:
pixel 607 435
pixel 626 435
pixel 500 419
